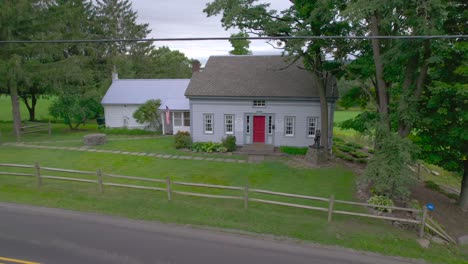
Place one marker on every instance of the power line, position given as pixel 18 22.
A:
pixel 228 38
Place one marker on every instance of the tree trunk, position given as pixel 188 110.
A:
pixel 31 108
pixel 15 109
pixel 464 188
pixel 379 74
pixel 319 81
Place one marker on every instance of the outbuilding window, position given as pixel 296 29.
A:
pixel 289 126
pixel 181 118
pixel 186 118
pixel 208 123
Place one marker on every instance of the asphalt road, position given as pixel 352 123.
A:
pixel 54 236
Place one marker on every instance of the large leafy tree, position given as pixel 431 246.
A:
pixel 38 68
pixel 441 130
pixel 303 18
pixel 400 66
pixel 20 20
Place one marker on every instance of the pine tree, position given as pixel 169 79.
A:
pixel 118 21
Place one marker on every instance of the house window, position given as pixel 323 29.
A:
pixel 229 124
pixel 289 125
pixel 311 126
pixel 270 125
pixel 177 118
pixel 247 126
pixel 259 103
pixel 208 123
pixel 181 118
pixel 186 118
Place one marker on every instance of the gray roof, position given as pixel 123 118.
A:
pixel 255 76
pixel 138 91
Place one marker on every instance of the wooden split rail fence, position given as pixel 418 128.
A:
pixel 34 127
pixel 424 221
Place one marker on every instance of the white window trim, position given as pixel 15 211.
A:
pixel 259 106
pixel 225 124
pixel 293 126
pixel 212 124
pixel 248 122
pixel 316 124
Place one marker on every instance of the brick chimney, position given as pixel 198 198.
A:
pixel 196 65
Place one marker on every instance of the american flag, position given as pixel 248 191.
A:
pixel 168 115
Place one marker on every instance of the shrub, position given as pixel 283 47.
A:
pixel 354 145
pixel 293 150
pixel 415 204
pixel 381 200
pixel 349 158
pixel 388 170
pixel 229 143
pixel 362 160
pixel 371 151
pixel 75 109
pixel 433 186
pixel 453 196
pixel 345 148
pixel 358 154
pixel 340 154
pixel 337 139
pixel 182 140
pixel 221 149
pixel 208 147
pixel 148 113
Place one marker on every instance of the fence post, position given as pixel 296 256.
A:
pixel 246 196
pixel 99 175
pixel 419 171
pixel 330 207
pixel 423 222
pixel 38 174
pixel 50 129
pixel 168 188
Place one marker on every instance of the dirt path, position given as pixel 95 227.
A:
pixel 446 212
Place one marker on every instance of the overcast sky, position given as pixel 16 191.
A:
pixel 185 18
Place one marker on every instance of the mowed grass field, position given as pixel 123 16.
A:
pixel 353 232
pixel 42 109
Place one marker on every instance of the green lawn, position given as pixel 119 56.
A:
pixel 354 232
pixel 347 231
pixel 42 109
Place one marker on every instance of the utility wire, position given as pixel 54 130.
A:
pixel 228 38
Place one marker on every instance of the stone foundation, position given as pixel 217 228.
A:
pixel 316 156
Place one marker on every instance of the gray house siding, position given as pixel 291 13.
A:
pixel 300 110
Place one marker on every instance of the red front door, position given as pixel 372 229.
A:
pixel 259 129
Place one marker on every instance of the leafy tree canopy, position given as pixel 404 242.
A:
pixel 149 113
pixel 240 46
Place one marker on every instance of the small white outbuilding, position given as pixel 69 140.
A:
pixel 124 97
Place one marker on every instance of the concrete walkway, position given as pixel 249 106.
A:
pixel 162 156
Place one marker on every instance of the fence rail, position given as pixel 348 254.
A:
pixel 245 197
pixel 36 126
